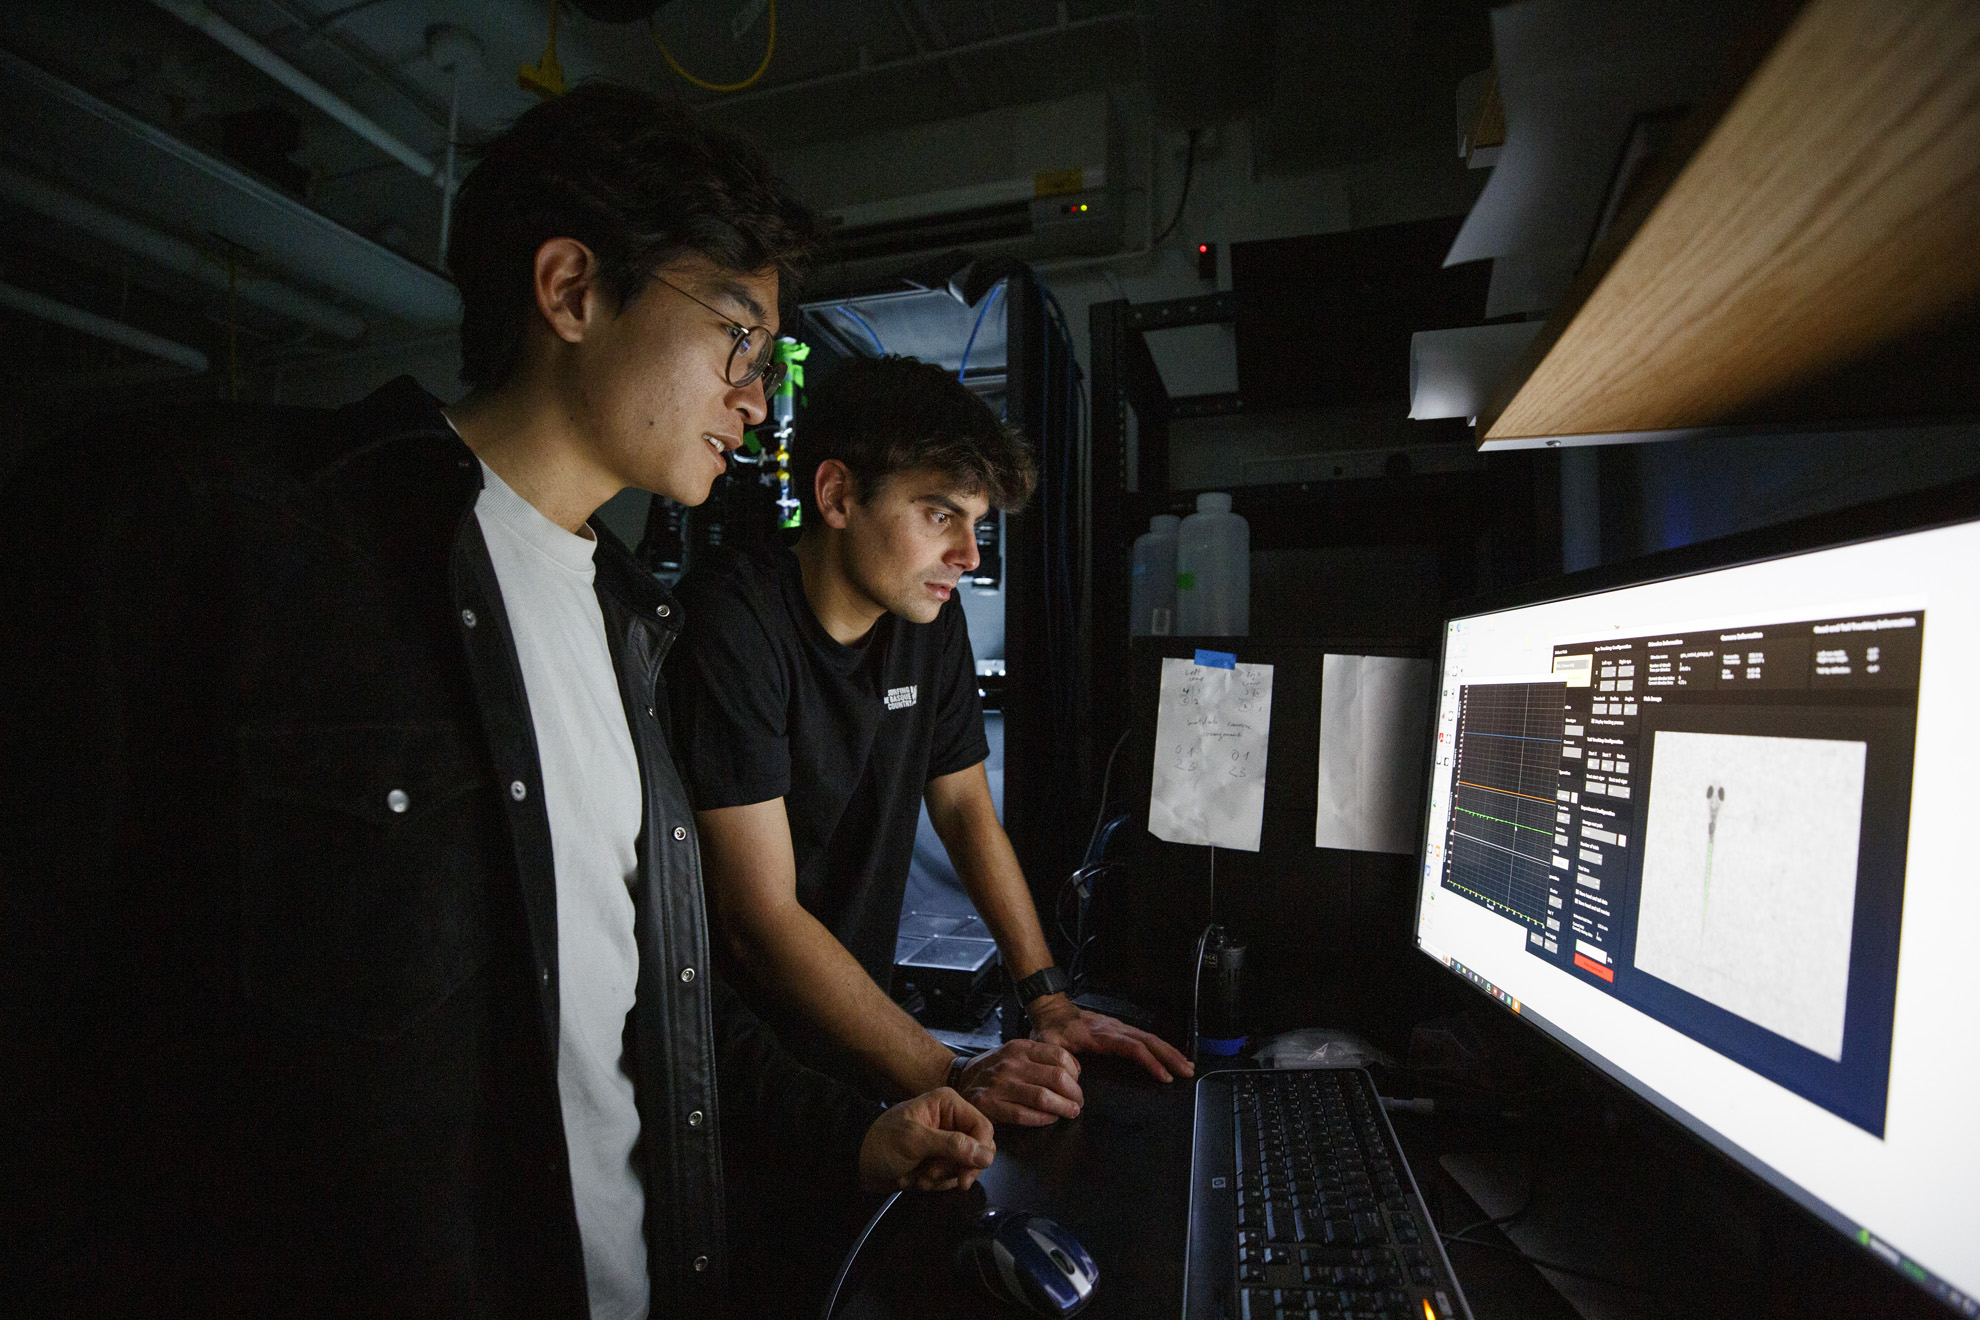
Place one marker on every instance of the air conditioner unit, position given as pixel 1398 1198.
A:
pixel 1024 183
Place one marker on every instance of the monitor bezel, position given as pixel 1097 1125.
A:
pixel 1952 504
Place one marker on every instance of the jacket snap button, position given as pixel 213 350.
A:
pixel 680 833
pixel 662 611
pixel 517 791
pixel 700 1264
pixel 398 801
pixel 467 617
pixel 649 712
pixel 687 976
pixel 694 1118
pixel 546 976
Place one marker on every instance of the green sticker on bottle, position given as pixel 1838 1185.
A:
pixel 1185 582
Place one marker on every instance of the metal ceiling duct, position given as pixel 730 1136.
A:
pixel 174 254
pixel 102 327
pixel 73 136
pixel 197 15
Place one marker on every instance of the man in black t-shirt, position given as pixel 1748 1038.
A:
pixel 820 694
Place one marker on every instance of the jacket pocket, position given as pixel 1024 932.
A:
pixel 368 856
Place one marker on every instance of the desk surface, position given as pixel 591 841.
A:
pixel 1118 1177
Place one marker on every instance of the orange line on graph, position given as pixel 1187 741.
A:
pixel 1507 791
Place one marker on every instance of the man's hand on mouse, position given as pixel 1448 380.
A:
pixel 932 1143
pixel 1056 1020
pixel 1027 1082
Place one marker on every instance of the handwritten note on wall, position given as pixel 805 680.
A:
pixel 1211 727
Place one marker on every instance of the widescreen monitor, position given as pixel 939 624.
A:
pixel 1716 833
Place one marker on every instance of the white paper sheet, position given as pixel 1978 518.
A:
pixel 1452 373
pixel 1573 76
pixel 1374 729
pixel 1211 728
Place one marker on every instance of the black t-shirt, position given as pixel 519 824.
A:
pixel 766 704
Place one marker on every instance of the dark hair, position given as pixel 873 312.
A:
pixel 880 416
pixel 636 179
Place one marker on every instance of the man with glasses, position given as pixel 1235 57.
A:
pixel 752 348
pixel 352 954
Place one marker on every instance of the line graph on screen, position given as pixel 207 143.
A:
pixel 1501 843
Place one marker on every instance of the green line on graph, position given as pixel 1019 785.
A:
pixel 1503 821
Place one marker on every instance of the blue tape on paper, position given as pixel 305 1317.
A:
pixel 1216 659
pixel 1214 1045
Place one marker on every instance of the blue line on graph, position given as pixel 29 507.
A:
pixel 1473 733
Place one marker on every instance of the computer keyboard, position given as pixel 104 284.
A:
pixel 1302 1205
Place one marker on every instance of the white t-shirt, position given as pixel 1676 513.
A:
pixel 592 793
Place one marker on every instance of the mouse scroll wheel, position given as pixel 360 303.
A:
pixel 1063 1261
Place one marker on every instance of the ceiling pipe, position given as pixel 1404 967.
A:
pixel 102 327
pixel 197 15
pixel 90 145
pixel 452 50
pixel 912 61
pixel 174 254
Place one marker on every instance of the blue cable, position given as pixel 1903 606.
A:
pixel 1065 328
pixel 861 322
pixel 984 311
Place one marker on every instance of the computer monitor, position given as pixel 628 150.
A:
pixel 1715 833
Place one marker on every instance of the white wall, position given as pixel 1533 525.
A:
pixel 1231 200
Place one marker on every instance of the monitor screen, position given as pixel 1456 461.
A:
pixel 1714 833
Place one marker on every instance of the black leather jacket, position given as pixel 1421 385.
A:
pixel 278 951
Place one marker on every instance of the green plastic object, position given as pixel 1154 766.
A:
pixel 792 354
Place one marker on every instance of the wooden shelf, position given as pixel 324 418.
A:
pixel 1831 210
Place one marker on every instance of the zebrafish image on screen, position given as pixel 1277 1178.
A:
pixel 1749 877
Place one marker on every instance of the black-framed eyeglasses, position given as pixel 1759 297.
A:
pixel 753 352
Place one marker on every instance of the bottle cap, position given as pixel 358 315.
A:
pixel 1164 523
pixel 1213 501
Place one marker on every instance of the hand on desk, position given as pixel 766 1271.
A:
pixel 1056 1020
pixel 1035 1082
pixel 1026 1082
pixel 931 1143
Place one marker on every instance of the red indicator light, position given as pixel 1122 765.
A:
pixel 1202 247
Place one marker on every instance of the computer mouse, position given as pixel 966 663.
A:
pixel 1028 1260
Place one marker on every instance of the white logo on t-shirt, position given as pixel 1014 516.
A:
pixel 901 698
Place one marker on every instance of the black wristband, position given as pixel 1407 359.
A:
pixel 956 1065
pixel 1044 981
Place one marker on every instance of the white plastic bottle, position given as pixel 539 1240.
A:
pixel 1213 570
pixel 1152 588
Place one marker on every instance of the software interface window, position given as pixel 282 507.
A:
pixel 1707 831
pixel 1738 752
